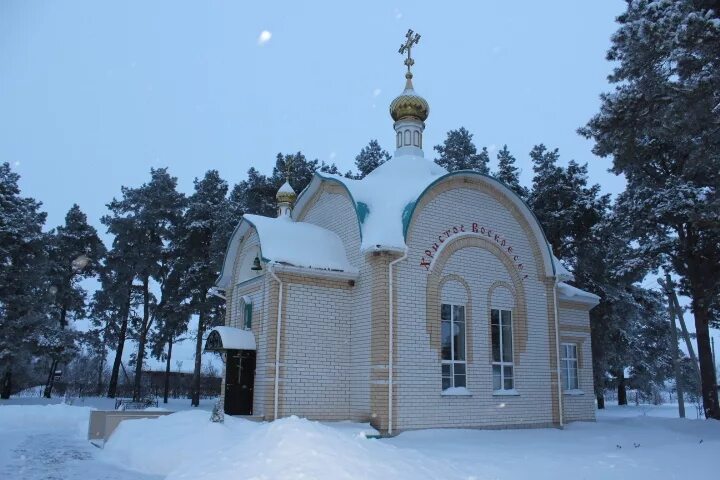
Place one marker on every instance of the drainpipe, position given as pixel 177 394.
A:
pixel 277 339
pixel 390 344
pixel 557 350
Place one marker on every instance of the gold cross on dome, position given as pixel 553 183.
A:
pixel 410 40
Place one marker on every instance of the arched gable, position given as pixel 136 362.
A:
pixel 313 247
pixel 329 204
pixel 499 192
pixel 316 187
pixel 243 230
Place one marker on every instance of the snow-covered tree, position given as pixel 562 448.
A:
pixel 114 303
pixel 458 152
pixel 562 201
pixel 172 317
pixel 508 173
pixel 75 253
pixel 369 158
pixel 330 168
pixel 255 195
pixel 200 257
pixel 150 213
pixel 297 168
pixel 24 290
pixel 660 126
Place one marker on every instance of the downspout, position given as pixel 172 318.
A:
pixel 277 339
pixel 390 343
pixel 557 350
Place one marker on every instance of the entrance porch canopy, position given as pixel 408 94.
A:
pixel 229 338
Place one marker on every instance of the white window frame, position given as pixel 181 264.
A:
pixel 454 362
pixel 569 364
pixel 244 302
pixel 502 363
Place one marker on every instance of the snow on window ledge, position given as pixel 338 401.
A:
pixel 456 392
pixel 506 393
pixel 574 392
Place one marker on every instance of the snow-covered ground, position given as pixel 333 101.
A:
pixel 39 442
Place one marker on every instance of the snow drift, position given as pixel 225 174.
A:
pixel 186 445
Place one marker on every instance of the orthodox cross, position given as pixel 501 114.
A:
pixel 407 47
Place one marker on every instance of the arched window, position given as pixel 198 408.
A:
pixel 246 312
pixel 502 349
pixel 453 345
pixel 399 140
pixel 416 138
pixel 407 138
pixel 502 302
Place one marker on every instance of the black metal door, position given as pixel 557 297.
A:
pixel 239 382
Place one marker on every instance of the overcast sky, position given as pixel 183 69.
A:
pixel 94 94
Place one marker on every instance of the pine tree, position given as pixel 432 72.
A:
pixel 172 315
pixel 458 152
pixel 369 158
pixel 115 302
pixel 300 170
pixel 200 254
pixel 660 127
pixel 255 195
pixel 508 173
pixel 593 241
pixel 330 168
pixel 563 203
pixel 24 290
pixel 651 360
pixel 75 252
pixel 150 213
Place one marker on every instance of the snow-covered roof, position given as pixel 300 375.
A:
pixel 561 272
pixel 385 202
pixel 574 294
pixel 384 194
pixel 300 244
pixel 287 242
pixel 286 188
pixel 229 338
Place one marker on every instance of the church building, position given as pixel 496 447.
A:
pixel 412 298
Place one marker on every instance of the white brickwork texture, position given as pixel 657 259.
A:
pixel 575 329
pixel 420 403
pixel 335 212
pixel 316 356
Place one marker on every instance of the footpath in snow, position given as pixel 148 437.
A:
pixel 49 443
pixel 40 442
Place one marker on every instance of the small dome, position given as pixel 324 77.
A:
pixel 286 194
pixel 409 104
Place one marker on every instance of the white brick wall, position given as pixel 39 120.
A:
pixel 575 328
pixel 316 357
pixel 335 212
pixel 420 403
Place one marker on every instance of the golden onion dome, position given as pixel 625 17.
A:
pixel 286 194
pixel 409 104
